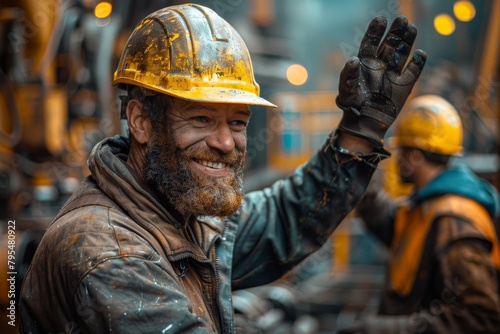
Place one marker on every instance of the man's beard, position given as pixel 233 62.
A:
pixel 192 192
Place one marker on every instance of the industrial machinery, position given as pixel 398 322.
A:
pixel 56 102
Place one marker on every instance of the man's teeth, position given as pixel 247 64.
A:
pixel 211 164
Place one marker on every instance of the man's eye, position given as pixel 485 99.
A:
pixel 201 119
pixel 239 125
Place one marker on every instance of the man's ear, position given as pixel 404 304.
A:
pixel 139 123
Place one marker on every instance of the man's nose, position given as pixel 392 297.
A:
pixel 222 139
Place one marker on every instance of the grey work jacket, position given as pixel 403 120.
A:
pixel 118 259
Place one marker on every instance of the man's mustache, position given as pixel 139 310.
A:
pixel 233 158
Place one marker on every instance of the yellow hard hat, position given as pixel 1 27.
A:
pixel 432 124
pixel 190 52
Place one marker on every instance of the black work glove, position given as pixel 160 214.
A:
pixel 374 86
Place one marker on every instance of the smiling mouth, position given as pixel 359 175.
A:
pixel 211 164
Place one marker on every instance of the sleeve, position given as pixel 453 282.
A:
pixel 133 295
pixel 280 225
pixel 377 211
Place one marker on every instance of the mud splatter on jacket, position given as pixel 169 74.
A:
pixel 119 259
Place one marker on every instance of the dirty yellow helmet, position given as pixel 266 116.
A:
pixel 432 124
pixel 190 52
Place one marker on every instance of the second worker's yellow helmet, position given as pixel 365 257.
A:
pixel 432 124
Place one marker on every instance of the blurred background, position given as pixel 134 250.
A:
pixel 57 58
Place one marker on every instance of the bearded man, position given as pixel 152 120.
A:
pixel 159 234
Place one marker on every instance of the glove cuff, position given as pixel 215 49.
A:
pixel 370 159
pixel 367 127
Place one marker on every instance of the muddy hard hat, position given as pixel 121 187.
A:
pixel 189 52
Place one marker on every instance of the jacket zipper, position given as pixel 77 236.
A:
pixel 217 281
pixel 183 267
pixel 216 309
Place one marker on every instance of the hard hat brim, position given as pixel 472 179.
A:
pixel 207 94
pixel 217 95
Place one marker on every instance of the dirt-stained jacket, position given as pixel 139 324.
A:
pixel 119 259
pixel 443 274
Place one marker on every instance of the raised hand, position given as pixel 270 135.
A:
pixel 374 86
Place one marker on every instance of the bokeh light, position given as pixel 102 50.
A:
pixel 464 10
pixel 444 24
pixel 296 74
pixel 102 10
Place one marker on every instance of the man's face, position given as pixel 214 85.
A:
pixel 409 162
pixel 196 159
